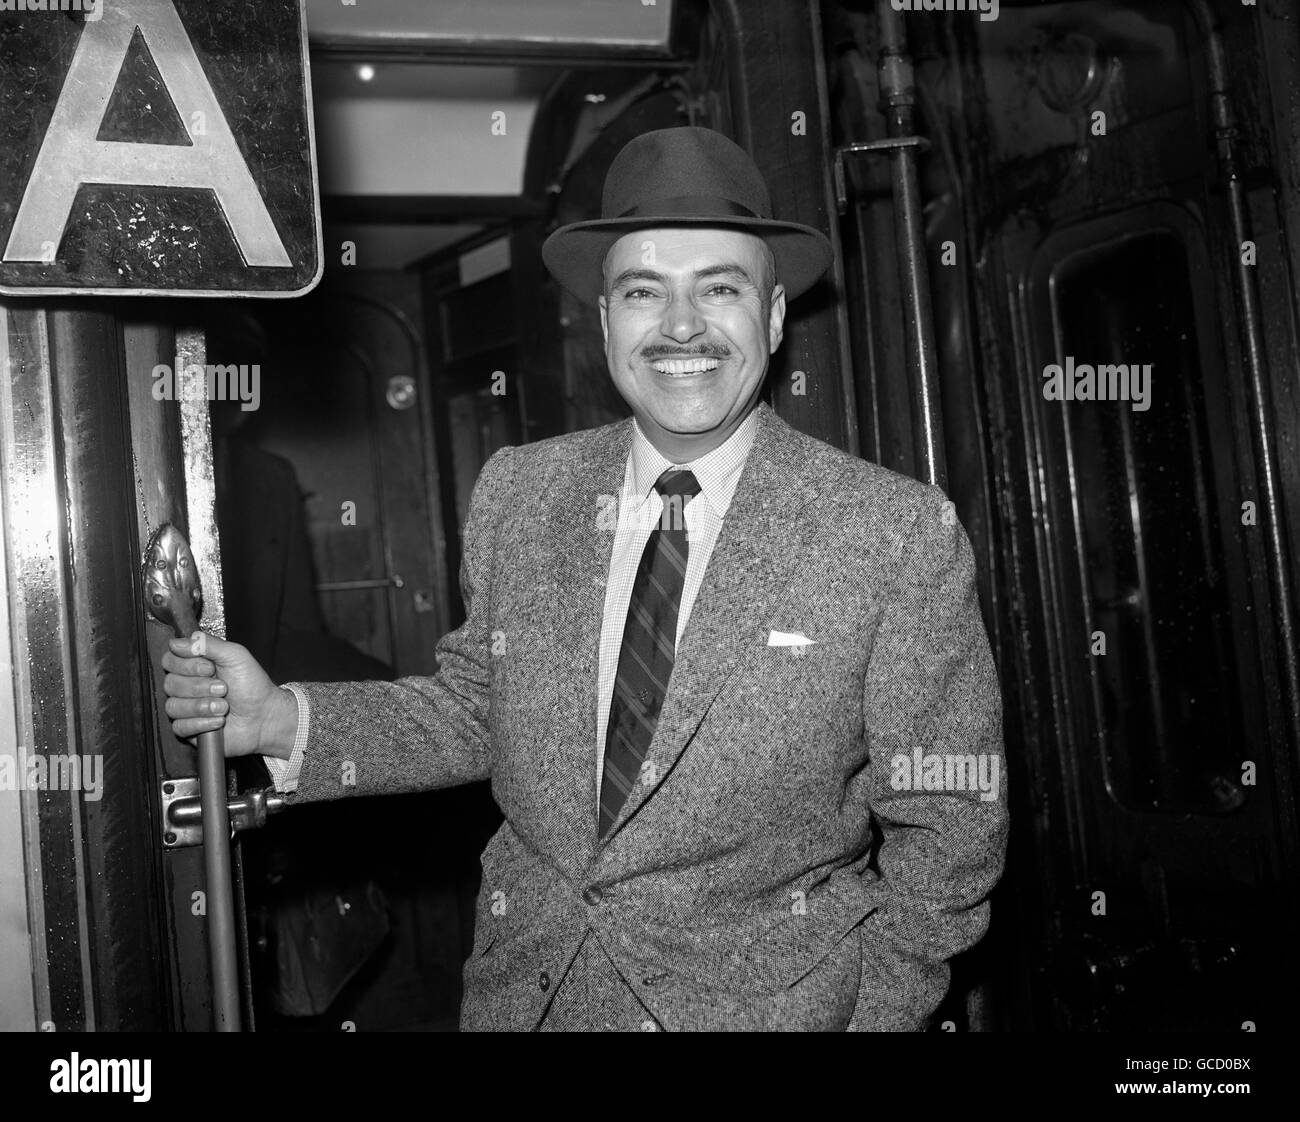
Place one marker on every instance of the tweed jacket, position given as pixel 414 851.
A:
pixel 777 866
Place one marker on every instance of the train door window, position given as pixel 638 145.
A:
pixel 1149 521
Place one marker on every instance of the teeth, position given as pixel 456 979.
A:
pixel 686 365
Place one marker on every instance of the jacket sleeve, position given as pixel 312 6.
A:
pixel 931 698
pixel 417 733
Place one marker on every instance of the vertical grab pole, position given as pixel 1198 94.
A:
pixel 1223 112
pixel 898 95
pixel 172 592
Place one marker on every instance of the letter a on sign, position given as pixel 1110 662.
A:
pixel 230 206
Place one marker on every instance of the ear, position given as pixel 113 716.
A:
pixel 776 319
pixel 604 318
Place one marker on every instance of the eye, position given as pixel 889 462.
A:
pixel 720 290
pixel 638 294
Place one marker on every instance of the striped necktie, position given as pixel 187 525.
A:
pixel 645 661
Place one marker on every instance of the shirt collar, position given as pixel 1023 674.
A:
pixel 718 471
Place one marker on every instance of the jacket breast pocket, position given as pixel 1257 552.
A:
pixel 809 637
pixel 807 690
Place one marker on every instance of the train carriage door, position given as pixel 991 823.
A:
pixel 1169 703
pixel 1089 201
pixel 115 915
pixel 136 164
pixel 1158 730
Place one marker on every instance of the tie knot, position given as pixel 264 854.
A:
pixel 677 482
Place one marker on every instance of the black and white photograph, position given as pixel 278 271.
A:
pixel 650 516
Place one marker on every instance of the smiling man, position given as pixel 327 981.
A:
pixel 688 339
pixel 692 717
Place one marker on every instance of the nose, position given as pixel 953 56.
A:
pixel 682 321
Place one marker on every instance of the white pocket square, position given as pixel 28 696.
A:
pixel 788 639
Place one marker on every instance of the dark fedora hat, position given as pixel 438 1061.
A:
pixel 683 177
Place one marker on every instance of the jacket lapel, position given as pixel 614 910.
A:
pixel 748 575
pixel 579 530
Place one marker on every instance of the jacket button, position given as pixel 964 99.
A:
pixel 544 981
pixel 592 895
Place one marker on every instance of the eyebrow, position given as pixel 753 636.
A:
pixel 724 270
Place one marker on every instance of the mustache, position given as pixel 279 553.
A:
pixel 701 350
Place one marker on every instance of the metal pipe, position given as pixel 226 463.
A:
pixel 172 592
pixel 898 96
pixel 1250 318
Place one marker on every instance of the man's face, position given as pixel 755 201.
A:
pixel 690 317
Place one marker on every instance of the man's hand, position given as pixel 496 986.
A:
pixel 212 684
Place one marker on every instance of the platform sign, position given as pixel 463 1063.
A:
pixel 157 147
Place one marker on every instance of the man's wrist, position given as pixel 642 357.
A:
pixel 281 729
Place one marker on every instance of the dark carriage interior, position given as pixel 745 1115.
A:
pixel 1091 175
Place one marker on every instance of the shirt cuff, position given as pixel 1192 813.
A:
pixel 284 773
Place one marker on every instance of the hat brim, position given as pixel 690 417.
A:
pixel 575 254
